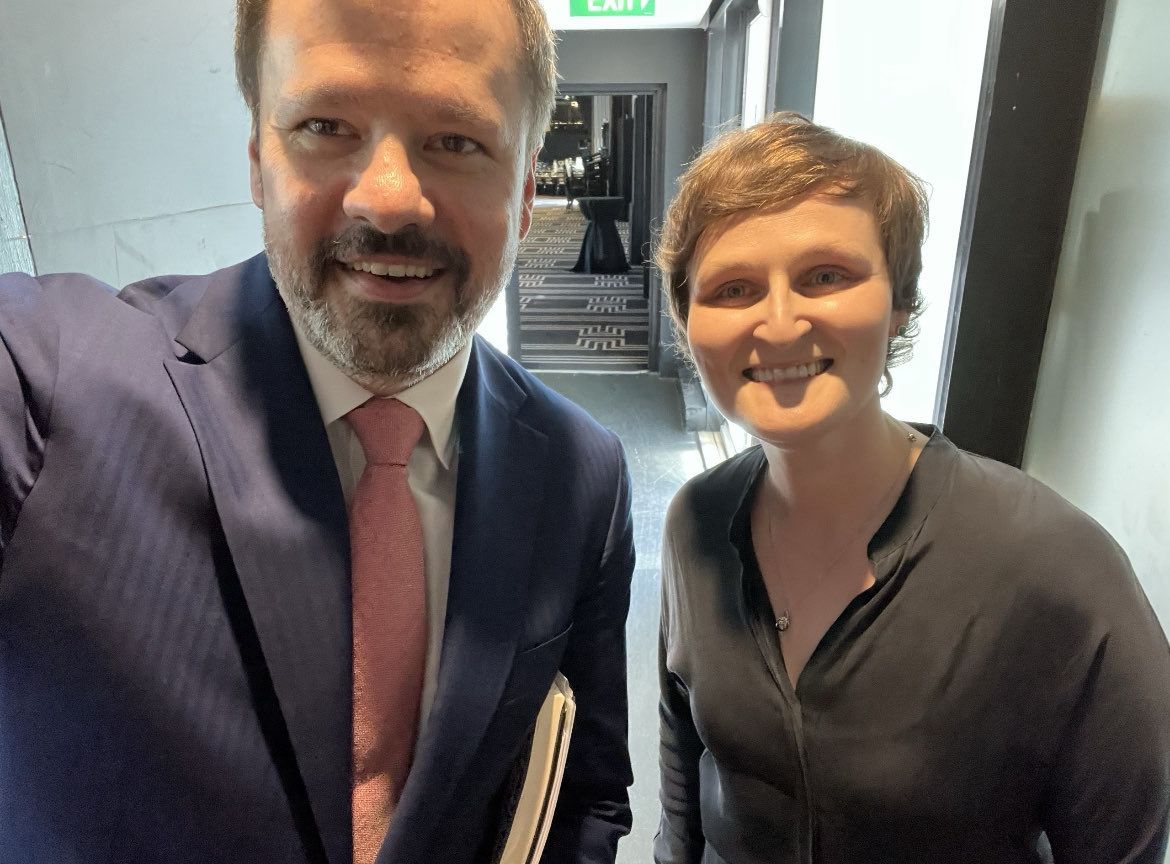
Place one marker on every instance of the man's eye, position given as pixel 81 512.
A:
pixel 458 144
pixel 323 126
pixel 734 291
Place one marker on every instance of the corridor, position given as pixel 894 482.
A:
pixel 646 413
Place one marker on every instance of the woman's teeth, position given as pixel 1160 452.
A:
pixel 787 373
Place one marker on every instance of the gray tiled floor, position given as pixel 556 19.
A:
pixel 646 413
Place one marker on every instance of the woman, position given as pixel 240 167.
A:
pixel 876 647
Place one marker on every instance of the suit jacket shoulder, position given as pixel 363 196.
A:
pixel 56 329
pixel 543 407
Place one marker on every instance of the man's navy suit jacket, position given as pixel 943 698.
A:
pixel 175 646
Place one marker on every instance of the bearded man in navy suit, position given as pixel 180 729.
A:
pixel 176 621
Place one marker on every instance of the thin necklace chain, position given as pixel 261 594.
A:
pixel 783 622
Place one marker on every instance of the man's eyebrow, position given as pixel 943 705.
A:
pixel 460 111
pixel 319 94
pixel 446 107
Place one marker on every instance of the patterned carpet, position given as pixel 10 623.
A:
pixel 577 321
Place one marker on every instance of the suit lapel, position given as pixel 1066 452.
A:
pixel 498 503
pixel 275 488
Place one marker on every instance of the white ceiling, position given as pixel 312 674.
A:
pixel 667 13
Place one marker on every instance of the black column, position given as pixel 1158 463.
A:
pixel 1037 78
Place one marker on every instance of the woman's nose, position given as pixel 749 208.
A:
pixel 783 316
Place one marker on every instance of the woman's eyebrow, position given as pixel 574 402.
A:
pixel 833 250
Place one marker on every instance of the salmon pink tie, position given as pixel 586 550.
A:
pixel 389 618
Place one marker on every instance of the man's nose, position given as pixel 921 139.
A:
pixel 387 192
pixel 784 315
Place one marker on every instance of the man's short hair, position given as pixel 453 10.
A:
pixel 537 45
pixel 775 163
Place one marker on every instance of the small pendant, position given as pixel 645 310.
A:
pixel 782 622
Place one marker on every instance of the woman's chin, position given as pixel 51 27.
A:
pixel 784 427
pixel 819 416
pixel 788 437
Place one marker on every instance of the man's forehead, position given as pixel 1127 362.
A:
pixel 466 28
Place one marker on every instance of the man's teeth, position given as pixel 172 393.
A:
pixel 398 271
pixel 788 373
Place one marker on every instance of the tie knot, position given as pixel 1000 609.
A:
pixel 387 429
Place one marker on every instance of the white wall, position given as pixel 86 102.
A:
pixel 1099 423
pixel 127 136
pixel 904 75
pixel 676 58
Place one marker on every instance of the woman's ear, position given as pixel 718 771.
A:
pixel 898 322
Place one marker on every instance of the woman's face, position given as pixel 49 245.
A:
pixel 790 316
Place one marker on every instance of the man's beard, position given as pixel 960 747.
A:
pixel 375 342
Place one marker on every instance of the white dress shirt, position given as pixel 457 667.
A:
pixel 431 472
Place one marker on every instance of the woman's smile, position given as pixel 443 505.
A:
pixel 787 373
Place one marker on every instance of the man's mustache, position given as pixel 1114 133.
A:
pixel 410 242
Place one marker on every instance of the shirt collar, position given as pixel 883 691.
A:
pixel 923 490
pixel 433 397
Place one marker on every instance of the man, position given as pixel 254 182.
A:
pixel 232 628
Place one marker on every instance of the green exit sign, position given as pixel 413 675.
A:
pixel 596 8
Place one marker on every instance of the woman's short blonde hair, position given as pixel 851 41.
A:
pixel 773 164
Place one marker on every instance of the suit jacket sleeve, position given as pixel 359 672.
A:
pixel 593 811
pixel 28 363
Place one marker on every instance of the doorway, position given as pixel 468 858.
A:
pixel 584 297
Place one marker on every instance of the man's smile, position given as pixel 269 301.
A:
pixel 395 271
pixel 389 283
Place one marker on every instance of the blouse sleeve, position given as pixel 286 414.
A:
pixel 680 831
pixel 1109 795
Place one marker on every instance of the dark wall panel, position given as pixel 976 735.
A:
pixel 1036 86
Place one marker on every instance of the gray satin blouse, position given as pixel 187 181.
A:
pixel 1001 694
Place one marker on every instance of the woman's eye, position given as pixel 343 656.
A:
pixel 735 291
pixel 826 278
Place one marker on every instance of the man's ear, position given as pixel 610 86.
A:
pixel 255 180
pixel 528 194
